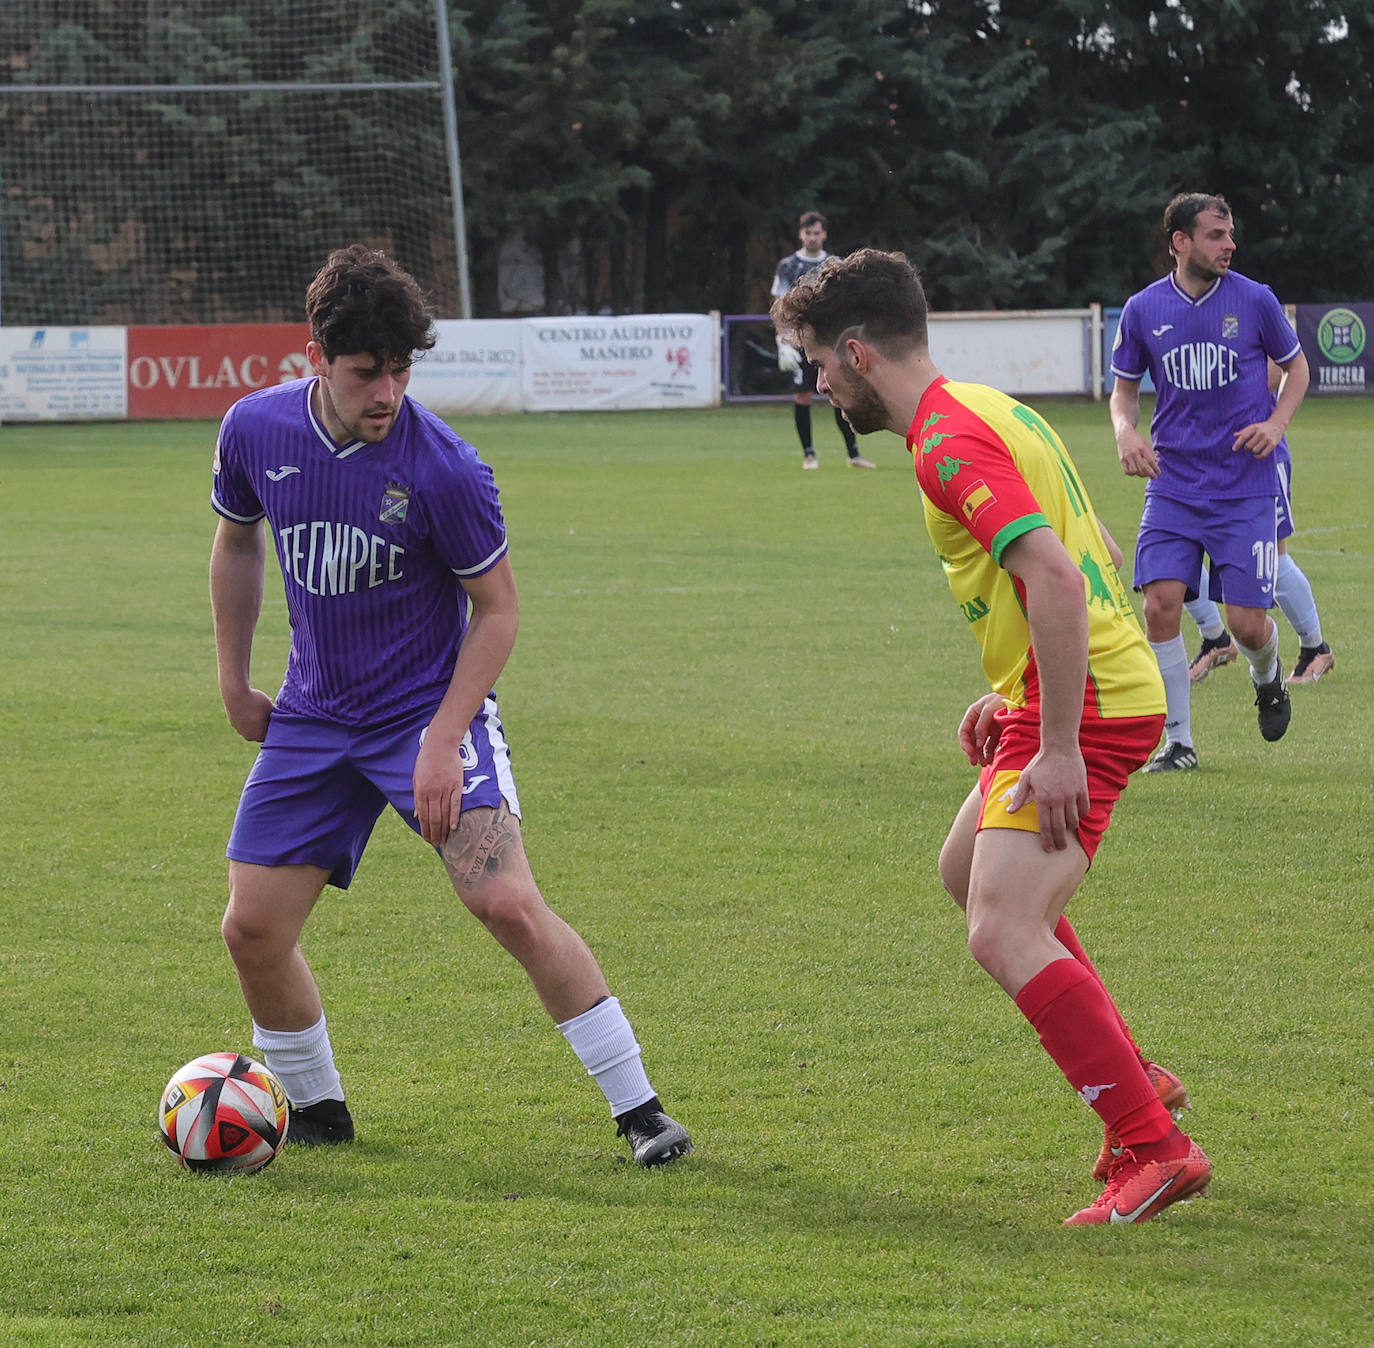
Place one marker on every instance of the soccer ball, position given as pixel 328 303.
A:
pixel 223 1112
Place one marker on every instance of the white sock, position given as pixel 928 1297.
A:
pixel 1173 667
pixel 1207 616
pixel 303 1060
pixel 1264 662
pixel 605 1044
pixel 1293 593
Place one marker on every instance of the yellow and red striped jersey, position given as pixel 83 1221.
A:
pixel 990 470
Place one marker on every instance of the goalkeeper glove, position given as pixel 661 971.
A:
pixel 789 358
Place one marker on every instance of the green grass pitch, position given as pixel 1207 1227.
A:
pixel 732 707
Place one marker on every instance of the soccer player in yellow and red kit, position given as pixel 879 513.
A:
pixel 1076 705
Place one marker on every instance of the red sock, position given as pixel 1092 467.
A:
pixel 1137 1131
pixel 1081 1031
pixel 1068 938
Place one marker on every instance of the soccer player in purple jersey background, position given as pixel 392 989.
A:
pixel 388 528
pixel 1206 335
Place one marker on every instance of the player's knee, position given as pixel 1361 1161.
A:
pixel 983 946
pixel 248 938
pixel 1162 613
pixel 256 928
pixel 513 914
pixel 1251 627
pixel 992 946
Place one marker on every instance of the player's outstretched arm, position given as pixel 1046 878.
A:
pixel 238 559
pixel 1132 449
pixel 486 647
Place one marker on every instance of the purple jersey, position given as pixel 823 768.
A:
pixel 373 542
pixel 1209 359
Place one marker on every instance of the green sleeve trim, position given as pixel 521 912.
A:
pixel 1009 533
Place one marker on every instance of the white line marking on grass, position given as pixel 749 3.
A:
pixel 1331 529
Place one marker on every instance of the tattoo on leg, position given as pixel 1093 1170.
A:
pixel 484 844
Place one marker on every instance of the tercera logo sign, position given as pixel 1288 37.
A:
pixel 198 371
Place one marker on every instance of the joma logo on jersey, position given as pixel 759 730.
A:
pixel 395 503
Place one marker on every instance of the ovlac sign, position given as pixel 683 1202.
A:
pixel 193 371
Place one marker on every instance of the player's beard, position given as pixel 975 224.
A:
pixel 862 407
pixel 371 432
pixel 364 429
pixel 1206 272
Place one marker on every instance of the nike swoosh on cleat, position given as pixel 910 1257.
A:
pixel 1116 1217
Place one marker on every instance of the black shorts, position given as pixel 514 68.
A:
pixel 804 380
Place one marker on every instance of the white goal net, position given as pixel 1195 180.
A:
pixel 193 161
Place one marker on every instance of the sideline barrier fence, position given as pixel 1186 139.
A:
pixel 476 366
pixel 1024 352
pixel 585 362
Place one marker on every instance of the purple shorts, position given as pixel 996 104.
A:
pixel 1239 538
pixel 317 787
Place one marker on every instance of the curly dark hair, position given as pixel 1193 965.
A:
pixel 360 300
pixel 876 292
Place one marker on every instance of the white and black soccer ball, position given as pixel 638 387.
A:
pixel 223 1112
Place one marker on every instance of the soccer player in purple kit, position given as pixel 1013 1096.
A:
pixel 1206 335
pixel 387 527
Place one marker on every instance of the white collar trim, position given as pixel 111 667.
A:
pixel 338 451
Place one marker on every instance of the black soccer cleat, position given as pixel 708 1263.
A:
pixel 1314 662
pixel 326 1123
pixel 654 1138
pixel 1173 757
pixel 1275 710
pixel 1212 654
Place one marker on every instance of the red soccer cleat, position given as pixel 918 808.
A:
pixel 1139 1190
pixel 1172 1095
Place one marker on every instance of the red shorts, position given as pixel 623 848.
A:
pixel 1112 750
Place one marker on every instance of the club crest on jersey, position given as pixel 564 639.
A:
pixel 395 503
pixel 1230 325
